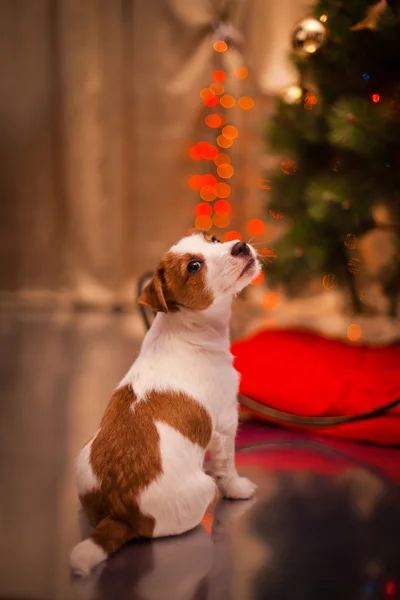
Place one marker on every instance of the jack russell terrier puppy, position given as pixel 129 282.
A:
pixel 142 475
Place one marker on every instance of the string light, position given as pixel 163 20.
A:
pixel 207 91
pixel 223 142
pixel 354 332
pixel 310 101
pixel 194 153
pixel 221 221
pixel 217 88
pixel 227 101
pixel 203 222
pixel 241 72
pixel 220 46
pixel 270 301
pixel 246 102
pixel 222 159
pixel 210 100
pixel 256 227
pixel 222 207
pixel 214 121
pixel 375 98
pixel 214 209
pixel 259 279
pixel 219 75
pixel 208 193
pixel 208 179
pixel 203 210
pixel 225 171
pixel 195 182
pixel 293 94
pixel 203 150
pixel 232 235
pixel 222 189
pixel 230 132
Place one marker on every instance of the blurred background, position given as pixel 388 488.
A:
pixel 100 106
pixel 103 107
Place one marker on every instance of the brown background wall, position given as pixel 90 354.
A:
pixel 99 103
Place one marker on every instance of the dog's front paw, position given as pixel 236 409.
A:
pixel 238 488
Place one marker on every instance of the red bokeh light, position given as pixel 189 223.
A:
pixel 222 189
pixel 213 121
pixel 220 46
pixel 375 98
pixel 210 100
pixel 240 72
pixel 259 279
pixel 222 207
pixel 221 221
pixel 232 235
pixel 208 179
pixel 203 210
pixel 219 75
pixel 203 222
pixel 246 102
pixel 203 150
pixel 195 182
pixel 270 301
pixel 390 588
pixel 207 193
pixel 256 226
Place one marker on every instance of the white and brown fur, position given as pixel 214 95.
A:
pixel 142 475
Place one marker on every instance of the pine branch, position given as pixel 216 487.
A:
pixel 365 126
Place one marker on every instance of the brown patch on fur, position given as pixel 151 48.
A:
pixel 125 457
pixel 209 237
pixel 189 290
pixel 173 286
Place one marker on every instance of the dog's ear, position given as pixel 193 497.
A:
pixel 153 295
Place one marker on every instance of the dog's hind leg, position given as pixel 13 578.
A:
pixel 178 509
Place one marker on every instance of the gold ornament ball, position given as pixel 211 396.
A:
pixel 308 36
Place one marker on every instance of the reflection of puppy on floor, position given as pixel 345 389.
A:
pixel 193 565
pixel 142 473
pixel 337 537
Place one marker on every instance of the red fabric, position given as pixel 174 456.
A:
pixel 304 374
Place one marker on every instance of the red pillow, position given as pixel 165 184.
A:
pixel 303 374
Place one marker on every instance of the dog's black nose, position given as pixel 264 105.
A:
pixel 240 248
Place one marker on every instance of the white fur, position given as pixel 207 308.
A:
pixel 184 487
pixel 85 556
pixel 86 480
pixel 188 351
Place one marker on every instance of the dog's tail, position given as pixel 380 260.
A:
pixel 106 539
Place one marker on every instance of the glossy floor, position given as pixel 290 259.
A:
pixel 325 523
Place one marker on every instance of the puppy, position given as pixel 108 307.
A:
pixel 142 475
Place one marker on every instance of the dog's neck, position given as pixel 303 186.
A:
pixel 207 328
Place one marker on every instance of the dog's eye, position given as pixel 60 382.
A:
pixel 194 266
pixel 215 240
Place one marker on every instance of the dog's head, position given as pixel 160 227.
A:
pixel 198 271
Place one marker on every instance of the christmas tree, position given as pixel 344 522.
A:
pixel 338 133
